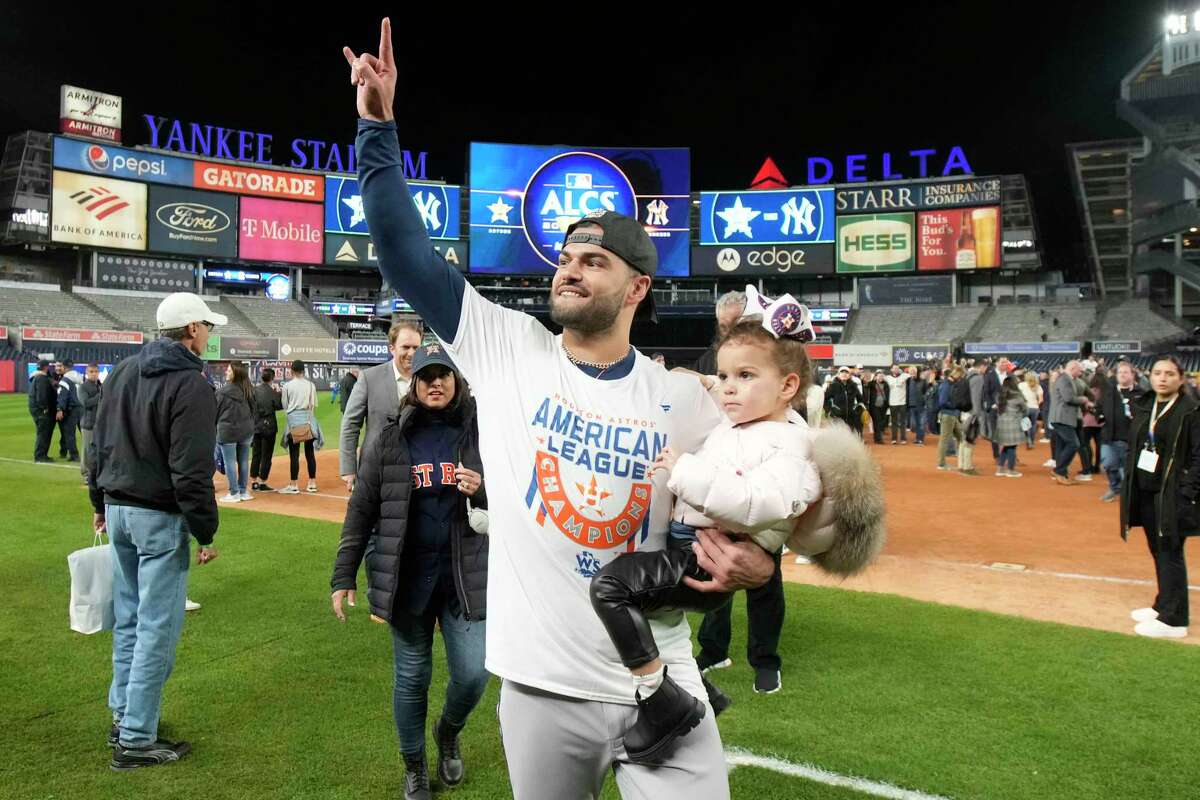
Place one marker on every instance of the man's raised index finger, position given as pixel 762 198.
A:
pixel 385 42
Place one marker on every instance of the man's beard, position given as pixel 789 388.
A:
pixel 595 316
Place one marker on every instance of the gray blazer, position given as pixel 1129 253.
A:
pixel 374 399
pixel 1065 404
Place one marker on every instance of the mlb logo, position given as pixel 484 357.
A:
pixel 579 180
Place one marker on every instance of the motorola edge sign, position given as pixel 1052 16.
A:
pixel 814 259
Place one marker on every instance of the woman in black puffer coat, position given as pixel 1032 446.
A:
pixel 420 485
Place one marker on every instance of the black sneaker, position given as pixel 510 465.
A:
pixel 767 681
pixel 716 698
pixel 262 487
pixel 450 765
pixel 416 778
pixel 46 460
pixel 114 736
pixel 661 719
pixel 705 662
pixel 161 752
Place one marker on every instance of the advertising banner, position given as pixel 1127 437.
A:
pixel 41 333
pixel 144 274
pixel 1020 348
pixel 875 243
pixel 820 352
pixel 915 196
pixel 119 162
pixel 524 197
pixel 98 212
pixel 279 230
pixel 917 354
pixel 343 309
pixel 869 355
pixel 196 223
pixel 1128 347
pixel 245 348
pixel 342 250
pixel 362 351
pixel 790 216
pixel 261 182
pixel 212 351
pixel 813 259
pixel 30 224
pixel 307 349
pixel 88 113
pixel 961 238
pixel 906 290
pixel 438 204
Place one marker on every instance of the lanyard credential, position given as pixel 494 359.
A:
pixel 1155 415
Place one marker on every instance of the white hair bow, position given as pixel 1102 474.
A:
pixel 782 317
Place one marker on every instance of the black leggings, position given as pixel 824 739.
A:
pixel 634 583
pixel 260 455
pixel 310 458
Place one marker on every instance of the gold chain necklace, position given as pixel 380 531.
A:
pixel 579 362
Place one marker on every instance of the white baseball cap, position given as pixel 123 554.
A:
pixel 183 308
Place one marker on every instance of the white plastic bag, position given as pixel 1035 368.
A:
pixel 91 587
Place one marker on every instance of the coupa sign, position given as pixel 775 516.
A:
pixel 362 351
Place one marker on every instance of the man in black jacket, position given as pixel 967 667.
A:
pixel 43 407
pixel 151 486
pixel 346 386
pixel 1117 413
pixel 267 401
pixel 89 398
pixel 70 411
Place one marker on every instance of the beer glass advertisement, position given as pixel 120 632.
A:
pixel 959 238
pixel 524 197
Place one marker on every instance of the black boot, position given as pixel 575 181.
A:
pixel 662 718
pixel 416 777
pixel 716 698
pixel 450 765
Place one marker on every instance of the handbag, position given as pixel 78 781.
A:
pixel 1026 425
pixel 304 432
pixel 91 587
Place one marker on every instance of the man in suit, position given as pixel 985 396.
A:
pixel 376 396
pixel 1066 408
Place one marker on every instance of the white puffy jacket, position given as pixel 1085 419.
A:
pixel 753 478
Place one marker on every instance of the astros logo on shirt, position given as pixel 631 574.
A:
pixel 591 476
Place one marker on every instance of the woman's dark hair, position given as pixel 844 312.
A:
pixel 462 391
pixel 1010 387
pixel 1173 360
pixel 241 378
pixel 790 355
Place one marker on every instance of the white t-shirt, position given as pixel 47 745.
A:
pixel 567 460
pixel 897 393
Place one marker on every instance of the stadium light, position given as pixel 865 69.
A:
pixel 1176 24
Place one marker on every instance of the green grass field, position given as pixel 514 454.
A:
pixel 281 701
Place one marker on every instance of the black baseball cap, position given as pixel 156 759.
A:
pixel 43 363
pixel 430 354
pixel 626 238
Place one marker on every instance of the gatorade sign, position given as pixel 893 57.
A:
pixel 875 243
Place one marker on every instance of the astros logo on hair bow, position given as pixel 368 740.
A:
pixel 782 317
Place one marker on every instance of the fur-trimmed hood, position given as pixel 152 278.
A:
pixel 845 529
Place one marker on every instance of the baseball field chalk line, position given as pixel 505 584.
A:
pixel 1072 576
pixel 736 757
pixel 74 466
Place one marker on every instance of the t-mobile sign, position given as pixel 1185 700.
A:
pixel 281 230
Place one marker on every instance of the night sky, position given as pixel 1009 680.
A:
pixel 1011 83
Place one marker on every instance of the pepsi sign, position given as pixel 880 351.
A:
pixel 523 198
pixel 120 162
pixel 437 203
pixel 790 216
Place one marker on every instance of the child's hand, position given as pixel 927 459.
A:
pixel 666 461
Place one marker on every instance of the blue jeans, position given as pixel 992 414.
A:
pixel 1066 442
pixel 916 423
pixel 1008 457
pixel 412 644
pixel 1031 434
pixel 150 556
pixel 236 453
pixel 1112 457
